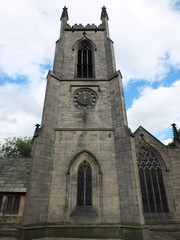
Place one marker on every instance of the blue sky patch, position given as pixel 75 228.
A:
pixel 21 79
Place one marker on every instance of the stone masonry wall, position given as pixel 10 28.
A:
pixel 65 59
pixel 129 188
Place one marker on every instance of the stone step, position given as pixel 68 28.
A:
pixel 77 239
pixel 13 238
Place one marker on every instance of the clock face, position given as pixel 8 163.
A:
pixel 85 98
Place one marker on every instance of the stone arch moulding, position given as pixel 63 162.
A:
pixel 90 155
pixel 72 176
pixel 84 38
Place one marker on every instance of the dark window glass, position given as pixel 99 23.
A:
pixel 15 208
pixel 163 192
pixel 156 191
pixel 84 185
pixel 79 65
pixel 79 57
pixel 88 187
pixel 151 182
pixel 150 190
pixel 84 61
pixel 143 190
pixel 9 204
pixel 80 190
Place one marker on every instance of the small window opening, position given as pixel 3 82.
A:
pixel 12 204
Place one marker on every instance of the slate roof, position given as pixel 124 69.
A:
pixel 14 174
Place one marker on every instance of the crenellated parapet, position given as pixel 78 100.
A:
pixel 88 27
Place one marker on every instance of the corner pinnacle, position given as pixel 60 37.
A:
pixel 64 13
pixel 104 13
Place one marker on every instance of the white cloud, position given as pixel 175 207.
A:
pixel 20 108
pixel 27 38
pixel 145 32
pixel 148 39
pixel 167 141
pixel 156 109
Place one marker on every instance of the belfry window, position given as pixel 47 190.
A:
pixel 84 61
pixel 151 181
pixel 84 185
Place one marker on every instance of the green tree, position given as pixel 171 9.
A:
pixel 16 147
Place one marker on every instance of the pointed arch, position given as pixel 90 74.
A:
pixel 151 179
pixel 84 181
pixel 84 57
pixel 84 38
pixel 87 154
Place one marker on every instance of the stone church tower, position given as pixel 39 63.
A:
pixel 84 179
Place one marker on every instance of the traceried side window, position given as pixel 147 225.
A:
pixel 151 181
pixel 84 185
pixel 84 61
pixel 12 204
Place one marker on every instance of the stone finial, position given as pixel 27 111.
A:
pixel 104 13
pixel 64 13
pixel 142 135
pixel 36 129
pixel 176 134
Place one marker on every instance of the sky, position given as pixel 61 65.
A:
pixel 146 40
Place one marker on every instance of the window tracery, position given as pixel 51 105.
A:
pixel 151 181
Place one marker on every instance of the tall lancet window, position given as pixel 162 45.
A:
pixel 84 60
pixel 84 185
pixel 151 181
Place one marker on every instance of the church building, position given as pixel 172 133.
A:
pixel 90 176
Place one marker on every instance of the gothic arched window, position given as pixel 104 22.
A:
pixel 84 60
pixel 84 185
pixel 151 181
